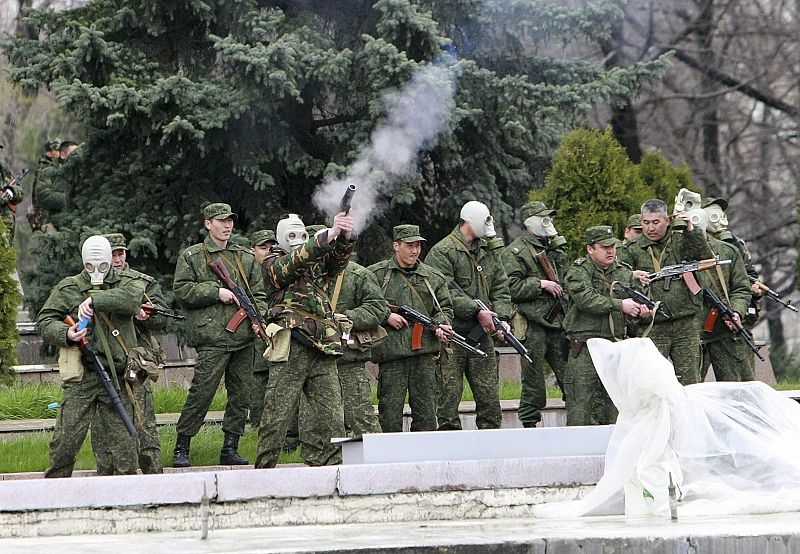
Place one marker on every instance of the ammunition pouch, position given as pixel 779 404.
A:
pixel 70 364
pixel 519 325
pixel 280 341
pixel 368 339
pixel 142 364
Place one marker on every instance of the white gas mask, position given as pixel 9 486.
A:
pixel 699 218
pixel 717 219
pixel 540 226
pixel 291 233
pixel 96 254
pixel 477 215
pixel 686 200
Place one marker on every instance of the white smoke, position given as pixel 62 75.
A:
pixel 415 117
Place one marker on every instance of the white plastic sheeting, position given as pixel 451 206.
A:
pixel 732 448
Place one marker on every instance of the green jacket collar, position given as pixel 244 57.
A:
pixel 212 246
pixel 394 265
pixel 476 245
pixel 644 242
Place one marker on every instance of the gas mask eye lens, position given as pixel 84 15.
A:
pixel 546 221
pixel 292 236
pixel 304 236
pixel 88 266
pixel 714 217
pixel 489 220
pixel 103 267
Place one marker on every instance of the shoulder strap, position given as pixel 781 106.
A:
pixel 475 264
pixel 337 289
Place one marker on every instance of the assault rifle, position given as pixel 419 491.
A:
pixel 477 332
pixel 719 308
pixel 684 270
pixel 152 310
pixel 561 304
pixel 422 321
pixel 347 198
pixel 105 379
pixel 11 183
pixel 247 308
pixel 772 295
pixel 640 298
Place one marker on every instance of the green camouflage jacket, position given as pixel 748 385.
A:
pixel 525 274
pixel 399 288
pixel 591 300
pixel 297 283
pixel 17 194
pixel 460 266
pixel 120 299
pixel 736 283
pixel 154 294
pixel 360 299
pixel 673 248
pixel 196 288
pixel 47 197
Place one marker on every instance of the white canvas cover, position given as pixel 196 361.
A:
pixel 732 448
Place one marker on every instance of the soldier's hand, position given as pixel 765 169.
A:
pixel 86 309
pixel 631 308
pixel 342 225
pixel 227 297
pixel 444 332
pixel 144 315
pixel 645 312
pixel 74 335
pixel 501 334
pixel 7 195
pixel 552 287
pixel 396 321
pixel 642 276
pixel 685 217
pixel 734 326
pixel 259 330
pixel 756 290
pixel 486 319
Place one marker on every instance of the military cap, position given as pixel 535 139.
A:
pixel 407 233
pixel 635 221
pixel 262 237
pixel 710 200
pixel 117 241
pixel 602 234
pixel 534 208
pixel 52 144
pixel 314 229
pixel 218 210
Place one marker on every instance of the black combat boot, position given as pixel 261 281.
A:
pixel 180 458
pixel 228 455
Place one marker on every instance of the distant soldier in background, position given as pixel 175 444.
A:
pixel 47 198
pixel 261 242
pixel 11 194
pixel 536 264
pixel 633 230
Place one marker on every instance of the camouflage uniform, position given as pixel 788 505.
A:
pixel 8 215
pixel 677 338
pixel 219 352
pixel 634 222
pixel 543 337
pixel 298 301
pixel 471 272
pixel 593 307
pixel 401 368
pixel 47 198
pixel 721 348
pixel 261 366
pixel 120 299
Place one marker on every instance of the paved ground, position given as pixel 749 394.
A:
pixel 773 534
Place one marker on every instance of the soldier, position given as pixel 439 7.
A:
pixel 535 263
pixel 114 297
pixel 405 363
pixel 11 194
pixel 676 337
pixel 47 198
pixel 633 230
pixel 718 228
pixel 729 282
pixel 261 242
pixel 304 340
pixel 149 443
pixel 596 310
pixel 469 258
pixel 209 306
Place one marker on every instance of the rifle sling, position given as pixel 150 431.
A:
pixel 137 408
pixel 475 264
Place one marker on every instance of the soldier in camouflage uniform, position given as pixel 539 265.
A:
pixel 633 230
pixel 537 299
pixel 209 306
pixel 718 228
pixel 721 348
pixel 660 245
pixel 405 366
pixel 261 242
pixel 11 194
pixel 469 258
pixel 595 311
pixel 47 198
pixel 305 341
pixel 149 444
pixel 98 292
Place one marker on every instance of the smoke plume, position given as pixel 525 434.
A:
pixel 415 116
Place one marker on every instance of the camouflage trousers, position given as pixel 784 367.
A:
pixel 679 341
pixel 312 374
pixel 543 345
pixel 418 376
pixel 587 401
pixel 729 358
pixel 86 403
pixel 149 443
pixel 482 376
pixel 211 365
pixel 258 387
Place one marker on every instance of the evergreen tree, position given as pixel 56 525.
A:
pixel 255 102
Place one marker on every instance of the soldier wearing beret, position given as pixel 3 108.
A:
pixel 536 264
pixel 208 306
pixel 261 242
pixel 404 365
pixel 597 309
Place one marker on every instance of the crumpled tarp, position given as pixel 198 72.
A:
pixel 731 448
